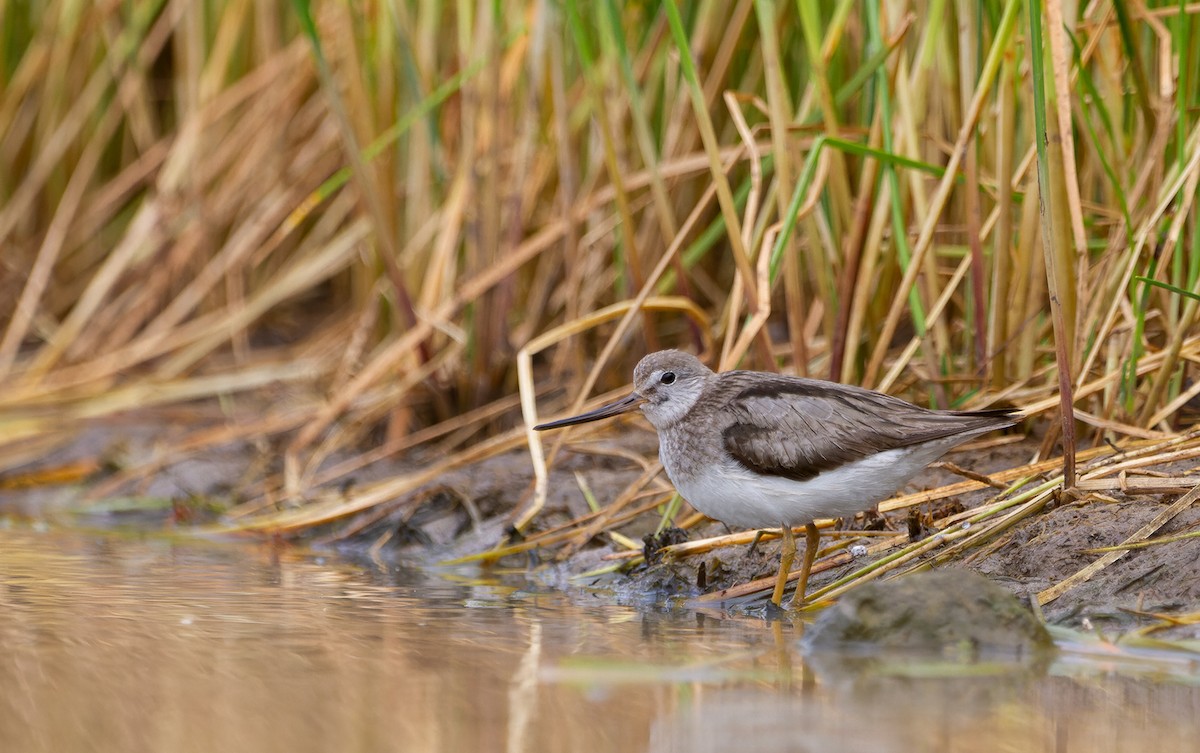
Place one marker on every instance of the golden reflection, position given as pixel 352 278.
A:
pixel 118 643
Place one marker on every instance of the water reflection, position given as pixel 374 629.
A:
pixel 112 643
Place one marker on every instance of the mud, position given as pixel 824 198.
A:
pixel 1161 579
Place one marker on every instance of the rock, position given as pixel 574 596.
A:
pixel 952 613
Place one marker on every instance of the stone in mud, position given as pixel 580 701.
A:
pixel 954 613
pixel 653 543
pixel 655 587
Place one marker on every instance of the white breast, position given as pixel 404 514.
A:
pixel 735 495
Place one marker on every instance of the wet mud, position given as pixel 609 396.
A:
pixel 1038 553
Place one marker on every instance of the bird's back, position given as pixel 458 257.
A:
pixel 759 443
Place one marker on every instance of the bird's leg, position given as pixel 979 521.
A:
pixel 754 544
pixel 812 536
pixel 786 556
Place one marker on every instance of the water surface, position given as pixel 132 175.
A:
pixel 113 643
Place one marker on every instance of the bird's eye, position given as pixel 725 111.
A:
pixel 668 377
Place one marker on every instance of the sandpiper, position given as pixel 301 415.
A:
pixel 761 450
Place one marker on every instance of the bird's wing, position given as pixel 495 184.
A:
pixel 797 428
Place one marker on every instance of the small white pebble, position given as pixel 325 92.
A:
pixel 187 620
pixel 966 526
pixel 858 550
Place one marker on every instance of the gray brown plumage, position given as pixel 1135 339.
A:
pixel 797 428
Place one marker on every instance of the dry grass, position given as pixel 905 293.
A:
pixel 390 207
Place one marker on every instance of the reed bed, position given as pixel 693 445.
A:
pixel 366 227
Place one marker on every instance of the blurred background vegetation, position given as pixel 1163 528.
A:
pixel 343 221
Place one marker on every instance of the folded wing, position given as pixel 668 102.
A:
pixel 797 428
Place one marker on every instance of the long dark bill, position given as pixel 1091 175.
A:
pixel 624 405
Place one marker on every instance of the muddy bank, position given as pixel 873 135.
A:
pixel 470 510
pixel 1039 552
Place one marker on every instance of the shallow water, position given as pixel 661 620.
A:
pixel 113 643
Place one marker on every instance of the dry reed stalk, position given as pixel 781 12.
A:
pixel 938 203
pixel 412 215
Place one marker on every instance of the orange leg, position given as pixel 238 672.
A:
pixel 786 556
pixel 812 536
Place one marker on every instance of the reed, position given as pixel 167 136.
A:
pixel 381 206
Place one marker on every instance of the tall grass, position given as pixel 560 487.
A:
pixel 381 204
